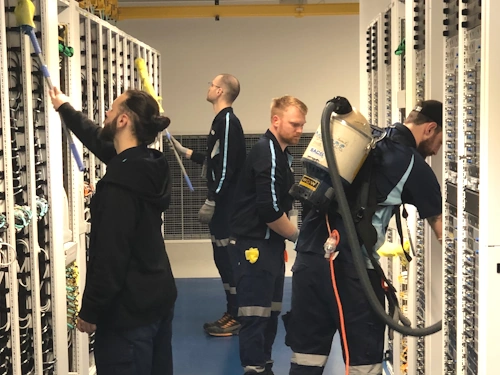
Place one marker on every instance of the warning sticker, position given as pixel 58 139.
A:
pixel 309 182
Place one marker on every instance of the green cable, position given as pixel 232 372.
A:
pixel 401 48
pixel 65 50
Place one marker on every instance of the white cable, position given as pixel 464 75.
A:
pixel 86 215
pixel 24 266
pixel 45 252
pixel 6 327
pixel 28 319
pixel 13 257
pixel 45 308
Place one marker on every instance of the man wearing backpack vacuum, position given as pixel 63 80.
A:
pixel 325 300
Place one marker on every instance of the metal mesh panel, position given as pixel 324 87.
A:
pixel 181 219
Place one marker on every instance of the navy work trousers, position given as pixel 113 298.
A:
pixel 145 350
pixel 219 230
pixel 260 294
pixel 314 317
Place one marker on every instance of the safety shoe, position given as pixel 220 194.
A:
pixel 221 321
pixel 229 328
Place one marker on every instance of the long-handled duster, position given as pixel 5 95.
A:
pixel 140 64
pixel 24 12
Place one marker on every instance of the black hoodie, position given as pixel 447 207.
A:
pixel 129 279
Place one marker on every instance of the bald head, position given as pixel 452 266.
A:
pixel 230 86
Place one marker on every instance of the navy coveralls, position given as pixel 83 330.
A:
pixel 402 176
pixel 225 157
pixel 262 197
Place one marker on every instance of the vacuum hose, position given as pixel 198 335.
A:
pixel 358 257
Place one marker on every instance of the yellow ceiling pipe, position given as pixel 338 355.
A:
pixel 226 11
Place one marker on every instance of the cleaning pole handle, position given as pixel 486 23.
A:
pixel 34 41
pixel 186 177
pixel 31 33
pixel 188 182
pixel 72 146
pixel 76 155
pixel 45 71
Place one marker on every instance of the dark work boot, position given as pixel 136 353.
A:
pixel 221 321
pixel 229 327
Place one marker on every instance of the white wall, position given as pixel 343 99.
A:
pixel 313 58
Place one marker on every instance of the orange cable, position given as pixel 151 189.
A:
pixel 339 304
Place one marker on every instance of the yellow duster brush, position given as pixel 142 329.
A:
pixel 140 65
pixel 24 12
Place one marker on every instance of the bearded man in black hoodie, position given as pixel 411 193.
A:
pixel 130 290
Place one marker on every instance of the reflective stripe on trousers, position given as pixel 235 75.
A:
pixel 230 289
pixel 375 369
pixel 220 243
pixel 316 360
pixel 264 312
pixel 252 369
pixel 309 359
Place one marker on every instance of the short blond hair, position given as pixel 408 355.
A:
pixel 281 104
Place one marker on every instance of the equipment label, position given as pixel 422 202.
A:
pixel 309 182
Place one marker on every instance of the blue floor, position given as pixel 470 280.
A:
pixel 202 300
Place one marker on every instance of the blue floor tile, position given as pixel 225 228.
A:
pixel 202 300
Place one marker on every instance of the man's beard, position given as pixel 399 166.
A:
pixel 424 148
pixel 290 140
pixel 108 132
